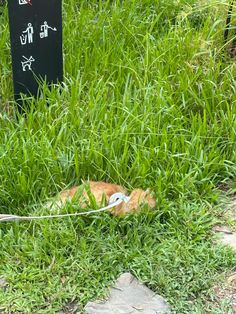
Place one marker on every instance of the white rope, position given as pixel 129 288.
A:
pixel 119 200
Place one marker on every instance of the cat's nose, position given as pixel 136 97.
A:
pixel 118 196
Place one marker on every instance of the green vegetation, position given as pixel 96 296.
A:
pixel 148 100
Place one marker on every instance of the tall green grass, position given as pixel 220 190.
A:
pixel 148 100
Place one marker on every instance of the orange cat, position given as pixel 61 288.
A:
pixel 99 190
pixel 107 191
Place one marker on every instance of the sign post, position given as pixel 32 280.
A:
pixel 36 44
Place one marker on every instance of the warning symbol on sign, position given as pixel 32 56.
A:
pixel 26 64
pixel 21 2
pixel 44 30
pixel 27 35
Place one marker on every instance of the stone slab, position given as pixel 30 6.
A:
pixel 226 235
pixel 128 296
pixel 229 239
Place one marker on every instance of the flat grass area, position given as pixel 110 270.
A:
pixel 148 101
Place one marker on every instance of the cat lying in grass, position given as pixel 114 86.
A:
pixel 105 193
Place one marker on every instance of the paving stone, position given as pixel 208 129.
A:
pixel 226 235
pixel 128 296
pixel 229 239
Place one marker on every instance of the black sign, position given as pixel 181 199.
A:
pixel 36 44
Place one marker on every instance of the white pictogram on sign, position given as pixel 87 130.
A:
pixel 44 30
pixel 23 2
pixel 27 35
pixel 26 64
